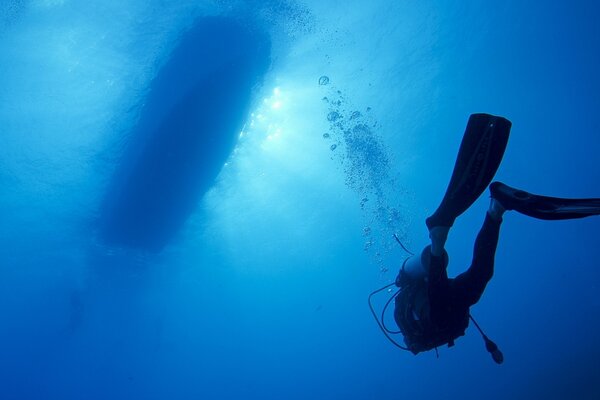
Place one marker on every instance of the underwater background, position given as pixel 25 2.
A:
pixel 348 137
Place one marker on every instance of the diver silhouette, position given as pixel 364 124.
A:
pixel 431 309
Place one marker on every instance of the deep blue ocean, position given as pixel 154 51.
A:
pixel 197 197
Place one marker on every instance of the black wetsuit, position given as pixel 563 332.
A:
pixel 449 300
pixel 466 289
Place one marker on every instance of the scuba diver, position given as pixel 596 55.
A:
pixel 432 310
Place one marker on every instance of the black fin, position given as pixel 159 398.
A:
pixel 543 207
pixel 479 157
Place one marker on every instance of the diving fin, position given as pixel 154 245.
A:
pixel 479 157
pixel 543 207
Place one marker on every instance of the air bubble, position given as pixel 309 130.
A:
pixel 333 116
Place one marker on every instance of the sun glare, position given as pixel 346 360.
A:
pixel 265 122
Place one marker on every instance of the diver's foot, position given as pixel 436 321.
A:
pixel 510 198
pixel 438 232
pixel 438 236
pixel 496 211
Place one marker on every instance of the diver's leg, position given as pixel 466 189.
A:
pixel 438 236
pixel 438 286
pixel 469 286
pixel 479 156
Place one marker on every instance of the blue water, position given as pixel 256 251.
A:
pixel 349 137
